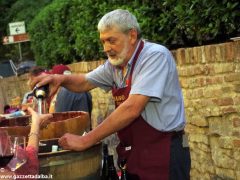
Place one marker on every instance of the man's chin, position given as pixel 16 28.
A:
pixel 116 62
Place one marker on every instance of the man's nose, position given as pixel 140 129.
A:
pixel 106 47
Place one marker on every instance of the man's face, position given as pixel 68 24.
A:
pixel 118 46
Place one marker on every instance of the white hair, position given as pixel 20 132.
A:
pixel 121 19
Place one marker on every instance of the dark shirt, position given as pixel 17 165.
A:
pixel 71 101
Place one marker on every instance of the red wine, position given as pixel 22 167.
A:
pixel 4 160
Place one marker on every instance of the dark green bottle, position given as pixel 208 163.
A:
pixel 104 172
pixel 41 92
pixel 112 172
pixel 123 166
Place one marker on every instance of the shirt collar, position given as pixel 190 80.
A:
pixel 135 51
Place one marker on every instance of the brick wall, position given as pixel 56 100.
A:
pixel 210 79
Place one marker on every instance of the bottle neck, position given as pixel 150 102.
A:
pixel 112 173
pixel 123 168
pixel 41 92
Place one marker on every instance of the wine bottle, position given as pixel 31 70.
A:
pixel 41 92
pixel 112 172
pixel 104 174
pixel 122 166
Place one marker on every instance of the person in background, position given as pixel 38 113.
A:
pixel 149 116
pixel 8 109
pixel 65 100
pixel 27 98
pixel 31 167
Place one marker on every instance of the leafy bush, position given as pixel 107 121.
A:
pixel 13 11
pixel 66 31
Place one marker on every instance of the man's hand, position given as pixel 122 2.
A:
pixel 73 142
pixel 54 82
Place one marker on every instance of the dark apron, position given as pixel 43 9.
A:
pixel 146 150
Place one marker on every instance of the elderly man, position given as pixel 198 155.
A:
pixel 149 116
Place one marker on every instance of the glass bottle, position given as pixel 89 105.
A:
pixel 41 94
pixel 104 173
pixel 123 166
pixel 112 172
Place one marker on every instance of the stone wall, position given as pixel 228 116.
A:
pixel 210 79
pixel 12 89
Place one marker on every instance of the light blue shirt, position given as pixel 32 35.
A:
pixel 155 75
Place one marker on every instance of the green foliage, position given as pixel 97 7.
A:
pixel 13 11
pixel 66 31
pixel 25 10
pixel 5 6
pixel 200 21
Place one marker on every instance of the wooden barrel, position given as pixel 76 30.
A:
pixel 72 122
pixel 16 126
pixel 64 164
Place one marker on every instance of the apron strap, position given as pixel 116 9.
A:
pixel 134 61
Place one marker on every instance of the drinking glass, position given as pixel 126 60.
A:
pixel 6 150
pixel 20 157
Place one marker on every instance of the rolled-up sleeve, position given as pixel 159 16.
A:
pixel 101 76
pixel 152 77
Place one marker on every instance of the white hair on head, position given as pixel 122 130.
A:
pixel 121 19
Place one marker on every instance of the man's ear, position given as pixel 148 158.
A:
pixel 133 36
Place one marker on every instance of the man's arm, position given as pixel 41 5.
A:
pixel 125 114
pixel 77 83
pixel 73 82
